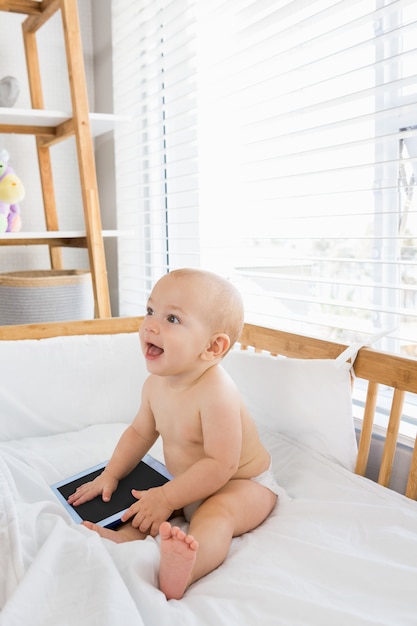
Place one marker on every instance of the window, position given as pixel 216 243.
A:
pixel 276 143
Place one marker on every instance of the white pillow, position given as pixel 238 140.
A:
pixel 64 384
pixel 306 399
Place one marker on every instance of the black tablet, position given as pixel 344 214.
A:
pixel 148 473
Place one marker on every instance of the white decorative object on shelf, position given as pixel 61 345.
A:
pixel 9 91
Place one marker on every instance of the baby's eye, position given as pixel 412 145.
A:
pixel 173 319
pixel 149 311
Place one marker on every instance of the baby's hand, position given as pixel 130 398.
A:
pixel 105 484
pixel 151 509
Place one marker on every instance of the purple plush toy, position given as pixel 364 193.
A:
pixel 12 191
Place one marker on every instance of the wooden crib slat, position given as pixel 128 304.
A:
pixel 391 438
pixel 367 425
pixel 411 489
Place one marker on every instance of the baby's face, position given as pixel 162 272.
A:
pixel 175 330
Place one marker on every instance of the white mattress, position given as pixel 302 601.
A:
pixel 338 550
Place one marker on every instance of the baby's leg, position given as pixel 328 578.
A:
pixel 238 507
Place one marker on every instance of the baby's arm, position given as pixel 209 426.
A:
pixel 130 449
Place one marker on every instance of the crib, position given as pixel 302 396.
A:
pixel 339 548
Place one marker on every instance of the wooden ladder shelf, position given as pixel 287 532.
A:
pixel 78 125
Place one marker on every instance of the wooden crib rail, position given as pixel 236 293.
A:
pixel 288 344
pixel 379 369
pixel 111 325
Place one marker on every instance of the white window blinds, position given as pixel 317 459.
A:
pixel 157 165
pixel 276 143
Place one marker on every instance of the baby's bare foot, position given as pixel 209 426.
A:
pixel 121 535
pixel 178 555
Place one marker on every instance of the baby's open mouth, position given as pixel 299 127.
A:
pixel 153 351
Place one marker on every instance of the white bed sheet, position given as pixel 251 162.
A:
pixel 338 550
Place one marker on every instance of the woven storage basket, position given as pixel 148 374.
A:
pixel 45 296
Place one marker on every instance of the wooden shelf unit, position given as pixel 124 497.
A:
pixel 51 127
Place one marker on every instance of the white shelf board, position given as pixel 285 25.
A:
pixel 66 234
pixel 100 122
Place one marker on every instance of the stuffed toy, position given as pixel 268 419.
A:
pixel 12 191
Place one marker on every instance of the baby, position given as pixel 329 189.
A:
pixel 222 481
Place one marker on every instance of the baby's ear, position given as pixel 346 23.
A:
pixel 218 347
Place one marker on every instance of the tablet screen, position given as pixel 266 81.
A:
pixel 148 473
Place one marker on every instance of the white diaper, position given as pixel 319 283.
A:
pixel 267 479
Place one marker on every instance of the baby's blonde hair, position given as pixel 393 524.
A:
pixel 226 311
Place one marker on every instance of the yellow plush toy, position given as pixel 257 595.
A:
pixel 12 192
